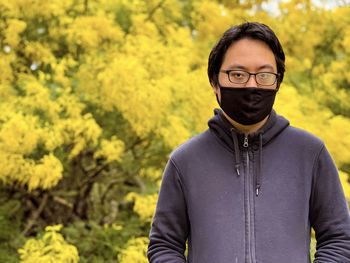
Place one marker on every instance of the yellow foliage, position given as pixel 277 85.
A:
pixel 142 27
pixel 131 88
pixel 39 53
pixel 135 251
pixel 14 168
pixel 92 31
pixel 14 29
pixel 50 248
pixel 151 173
pixel 21 134
pixel 37 99
pixel 195 102
pixel 307 114
pixel 35 8
pixel 61 68
pixel 174 131
pixel 212 19
pixel 344 178
pixel 14 135
pixel 46 174
pixel 346 41
pixel 6 75
pixel 110 149
pixel 80 133
pixel 144 205
pixel 153 75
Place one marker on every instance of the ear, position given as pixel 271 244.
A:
pixel 215 88
pixel 278 85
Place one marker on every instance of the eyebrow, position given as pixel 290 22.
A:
pixel 238 66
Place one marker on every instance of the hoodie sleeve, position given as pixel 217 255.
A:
pixel 329 214
pixel 170 224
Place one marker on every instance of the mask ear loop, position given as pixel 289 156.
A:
pixel 215 84
pixel 216 94
pixel 278 82
pixel 217 99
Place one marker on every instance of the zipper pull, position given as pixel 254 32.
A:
pixel 237 169
pixel 245 143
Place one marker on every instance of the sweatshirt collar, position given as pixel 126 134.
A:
pixel 234 139
pixel 223 129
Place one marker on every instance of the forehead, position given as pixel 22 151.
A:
pixel 249 54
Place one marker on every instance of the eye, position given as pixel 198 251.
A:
pixel 265 78
pixel 237 75
pixel 264 75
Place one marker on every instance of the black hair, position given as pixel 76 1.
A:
pixel 252 30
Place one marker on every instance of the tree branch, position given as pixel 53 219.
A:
pixel 62 201
pixel 110 187
pixel 151 13
pixel 35 214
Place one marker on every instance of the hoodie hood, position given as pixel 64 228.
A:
pixel 235 140
pixel 223 129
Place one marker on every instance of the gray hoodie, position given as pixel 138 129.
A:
pixel 238 199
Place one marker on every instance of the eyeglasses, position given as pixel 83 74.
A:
pixel 242 77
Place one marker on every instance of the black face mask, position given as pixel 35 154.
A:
pixel 247 106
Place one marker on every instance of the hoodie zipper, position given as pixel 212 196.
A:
pixel 250 212
pixel 245 143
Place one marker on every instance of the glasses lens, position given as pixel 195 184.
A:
pixel 265 78
pixel 237 76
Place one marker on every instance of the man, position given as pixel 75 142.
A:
pixel 250 187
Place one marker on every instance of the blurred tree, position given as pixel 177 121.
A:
pixel 95 95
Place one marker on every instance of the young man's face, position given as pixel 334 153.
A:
pixel 248 55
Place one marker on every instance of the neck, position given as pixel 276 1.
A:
pixel 247 129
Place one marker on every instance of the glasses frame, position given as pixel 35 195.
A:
pixel 250 74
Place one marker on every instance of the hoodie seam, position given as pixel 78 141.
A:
pixel 255 208
pixel 183 189
pixel 178 175
pixel 314 166
pixel 314 175
pixel 224 145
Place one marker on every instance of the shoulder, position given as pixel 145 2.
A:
pixel 194 147
pixel 303 138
